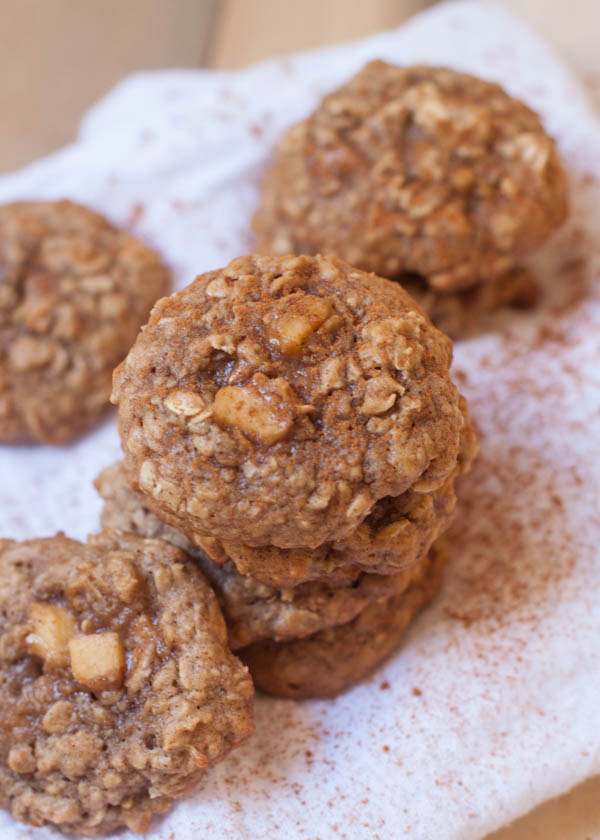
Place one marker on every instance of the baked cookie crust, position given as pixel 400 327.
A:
pixel 74 291
pixel 463 314
pixel 253 611
pixel 395 535
pixel 117 687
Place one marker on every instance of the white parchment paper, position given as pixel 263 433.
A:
pixel 491 704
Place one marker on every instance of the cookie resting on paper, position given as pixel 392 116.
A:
pixel 74 291
pixel 117 686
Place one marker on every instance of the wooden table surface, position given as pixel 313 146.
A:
pixel 58 56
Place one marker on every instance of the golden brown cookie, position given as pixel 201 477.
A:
pixel 117 687
pixel 74 291
pixel 252 610
pixel 325 664
pixel 276 401
pixel 415 169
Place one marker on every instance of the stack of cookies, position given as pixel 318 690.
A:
pixel 291 424
pixel 292 439
pixel 291 436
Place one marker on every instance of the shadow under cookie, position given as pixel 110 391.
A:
pixel 466 313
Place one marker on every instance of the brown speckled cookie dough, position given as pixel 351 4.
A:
pixel 462 314
pixel 415 169
pixel 74 291
pixel 276 401
pixel 252 610
pixel 334 659
pixel 117 687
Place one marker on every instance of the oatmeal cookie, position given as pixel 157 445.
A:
pixel 461 314
pixel 415 169
pixel 253 611
pixel 117 687
pixel 74 291
pixel 276 401
pixel 325 664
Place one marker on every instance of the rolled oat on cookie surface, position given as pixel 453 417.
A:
pixel 74 291
pixel 254 611
pixel 415 170
pixel 117 686
pixel 276 401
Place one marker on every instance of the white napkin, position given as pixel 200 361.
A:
pixel 491 704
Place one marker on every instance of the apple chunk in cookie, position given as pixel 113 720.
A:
pixel 275 402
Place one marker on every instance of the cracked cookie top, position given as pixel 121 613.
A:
pixel 276 401
pixel 74 291
pixel 117 686
pixel 415 169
